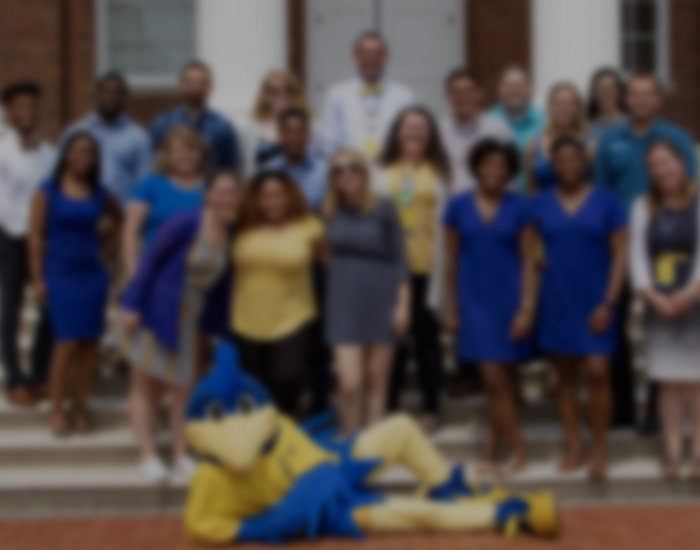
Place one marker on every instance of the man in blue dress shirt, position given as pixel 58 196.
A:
pixel 297 158
pixel 217 131
pixel 621 166
pixel 310 171
pixel 124 145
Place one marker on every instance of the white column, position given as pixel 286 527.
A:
pixel 573 38
pixel 241 40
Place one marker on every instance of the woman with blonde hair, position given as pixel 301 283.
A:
pixel 280 90
pixel 368 290
pixel 566 115
pixel 175 187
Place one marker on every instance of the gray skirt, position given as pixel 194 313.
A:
pixel 673 347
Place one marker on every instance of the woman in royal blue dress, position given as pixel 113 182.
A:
pixel 74 228
pixel 491 287
pixel 583 230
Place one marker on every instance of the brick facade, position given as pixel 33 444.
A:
pixel 53 42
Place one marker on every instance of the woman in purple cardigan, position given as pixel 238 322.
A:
pixel 177 301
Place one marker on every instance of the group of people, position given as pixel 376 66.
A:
pixel 347 244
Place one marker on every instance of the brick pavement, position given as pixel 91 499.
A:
pixel 651 528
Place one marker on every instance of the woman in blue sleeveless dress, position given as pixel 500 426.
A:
pixel 583 231
pixel 491 288
pixel 73 218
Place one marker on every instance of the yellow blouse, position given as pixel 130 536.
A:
pixel 273 288
pixel 414 191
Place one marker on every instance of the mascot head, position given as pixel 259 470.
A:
pixel 231 418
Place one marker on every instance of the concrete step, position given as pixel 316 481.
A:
pixel 108 412
pixel 37 447
pixel 94 490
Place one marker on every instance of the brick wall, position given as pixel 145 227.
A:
pixel 498 36
pixel 684 100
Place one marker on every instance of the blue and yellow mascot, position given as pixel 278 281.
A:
pixel 263 479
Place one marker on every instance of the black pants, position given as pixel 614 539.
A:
pixel 425 339
pixel 321 379
pixel 279 365
pixel 14 278
pixel 622 379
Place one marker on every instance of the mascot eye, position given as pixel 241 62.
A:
pixel 215 411
pixel 246 404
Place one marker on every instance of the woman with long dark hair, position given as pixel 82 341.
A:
pixel 74 230
pixel 665 268
pixel 276 246
pixel 583 231
pixel 414 171
pixel 606 102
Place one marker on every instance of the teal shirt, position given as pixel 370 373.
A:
pixel 620 163
pixel 524 128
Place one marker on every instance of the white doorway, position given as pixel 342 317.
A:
pixel 426 37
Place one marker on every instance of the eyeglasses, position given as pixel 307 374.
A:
pixel 352 168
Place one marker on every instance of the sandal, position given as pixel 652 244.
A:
pixel 82 421
pixel 671 468
pixel 695 469
pixel 59 424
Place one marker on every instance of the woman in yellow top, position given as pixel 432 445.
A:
pixel 273 300
pixel 413 173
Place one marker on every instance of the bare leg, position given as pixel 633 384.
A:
pixel 693 395
pixel 414 515
pixel 671 405
pixel 599 409
pixel 61 361
pixel 87 357
pixel 399 440
pixel 142 408
pixel 501 395
pixel 379 360
pixel 567 401
pixel 179 395
pixel 349 371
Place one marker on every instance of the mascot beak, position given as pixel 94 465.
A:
pixel 236 441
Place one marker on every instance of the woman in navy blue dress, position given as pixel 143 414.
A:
pixel 73 218
pixel 583 230
pixel 491 287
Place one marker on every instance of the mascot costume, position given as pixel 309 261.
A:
pixel 263 479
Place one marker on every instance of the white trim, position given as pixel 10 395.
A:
pixel 662 38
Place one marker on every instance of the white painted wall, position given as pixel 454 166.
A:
pixel 573 38
pixel 241 40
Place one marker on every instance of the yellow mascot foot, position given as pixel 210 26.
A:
pixel 534 513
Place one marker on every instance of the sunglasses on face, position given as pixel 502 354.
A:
pixel 352 168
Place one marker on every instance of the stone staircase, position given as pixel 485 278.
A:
pixel 95 474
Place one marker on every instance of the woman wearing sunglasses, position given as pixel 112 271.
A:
pixel 367 301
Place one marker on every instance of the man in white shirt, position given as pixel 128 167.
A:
pixel 26 161
pixel 358 113
pixel 467 125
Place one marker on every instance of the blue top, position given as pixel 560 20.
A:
pixel 542 169
pixel 489 277
pixel 219 133
pixel 526 127
pixel 165 199
pixel 155 293
pixel 125 152
pixel 620 163
pixel 311 175
pixel 578 262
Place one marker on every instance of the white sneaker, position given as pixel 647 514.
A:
pixel 154 470
pixel 184 468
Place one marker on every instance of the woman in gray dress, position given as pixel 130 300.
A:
pixel 367 301
pixel 665 263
